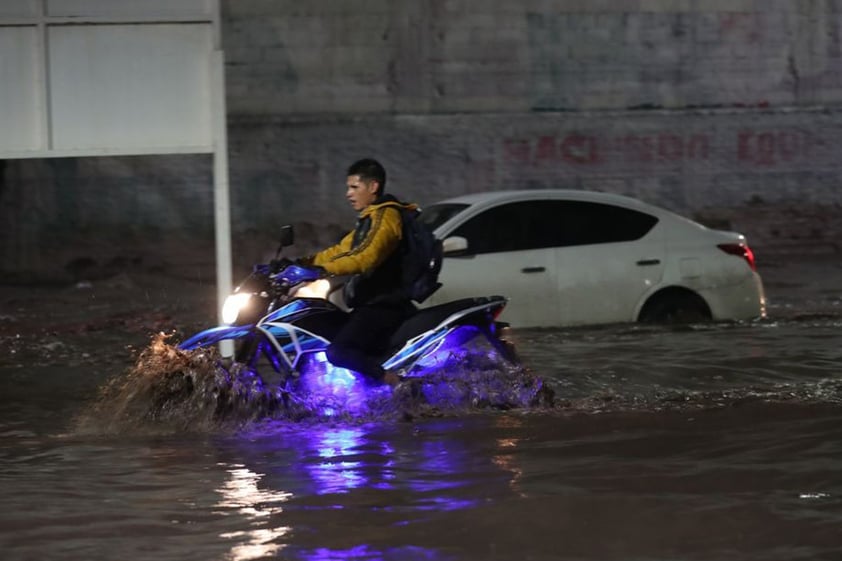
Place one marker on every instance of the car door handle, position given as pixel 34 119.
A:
pixel 533 270
pixel 645 262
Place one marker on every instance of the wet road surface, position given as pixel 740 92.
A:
pixel 720 442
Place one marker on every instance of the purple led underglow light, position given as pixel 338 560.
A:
pixel 449 372
pixel 338 390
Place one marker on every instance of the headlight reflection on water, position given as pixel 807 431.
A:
pixel 506 456
pixel 241 492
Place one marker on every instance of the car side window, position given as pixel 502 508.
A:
pixel 436 215
pixel 510 227
pixel 540 224
pixel 585 223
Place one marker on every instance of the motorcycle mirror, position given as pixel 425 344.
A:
pixel 286 238
pixel 287 235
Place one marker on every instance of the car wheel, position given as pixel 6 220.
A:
pixel 675 306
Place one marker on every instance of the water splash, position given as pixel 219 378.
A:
pixel 476 377
pixel 169 390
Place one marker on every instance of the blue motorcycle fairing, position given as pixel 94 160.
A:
pixel 419 345
pixel 292 311
pixel 430 341
pixel 300 340
pixel 290 342
pixel 215 335
pixel 294 274
pixel 434 350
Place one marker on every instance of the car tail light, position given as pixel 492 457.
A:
pixel 740 250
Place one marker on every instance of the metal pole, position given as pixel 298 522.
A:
pixel 222 209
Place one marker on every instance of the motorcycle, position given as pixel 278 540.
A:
pixel 283 316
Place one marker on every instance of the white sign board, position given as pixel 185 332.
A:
pixel 22 115
pixel 117 77
pixel 97 77
pixel 132 87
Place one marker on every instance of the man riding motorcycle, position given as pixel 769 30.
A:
pixel 370 252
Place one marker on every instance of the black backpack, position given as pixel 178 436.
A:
pixel 421 258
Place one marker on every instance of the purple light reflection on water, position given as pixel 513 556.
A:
pixel 337 474
pixel 339 468
pixel 437 462
pixel 341 458
pixel 367 553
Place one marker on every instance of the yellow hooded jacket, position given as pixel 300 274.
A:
pixel 376 237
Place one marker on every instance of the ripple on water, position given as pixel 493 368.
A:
pixel 615 368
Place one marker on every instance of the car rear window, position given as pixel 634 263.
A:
pixel 539 224
pixel 436 215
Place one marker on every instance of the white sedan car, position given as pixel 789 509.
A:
pixel 569 257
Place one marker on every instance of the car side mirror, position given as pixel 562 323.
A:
pixel 455 245
pixel 287 236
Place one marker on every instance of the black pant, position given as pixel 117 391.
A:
pixel 361 342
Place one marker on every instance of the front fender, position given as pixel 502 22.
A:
pixel 215 335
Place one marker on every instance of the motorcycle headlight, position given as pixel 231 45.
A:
pixel 233 305
pixel 316 289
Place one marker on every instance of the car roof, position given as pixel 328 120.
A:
pixel 485 199
pixel 574 194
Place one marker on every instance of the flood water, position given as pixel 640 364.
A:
pixel 707 442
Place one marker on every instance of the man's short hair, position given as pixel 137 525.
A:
pixel 369 170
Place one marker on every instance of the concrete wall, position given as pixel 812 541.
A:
pixel 724 111
pixel 443 56
pixel 772 175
